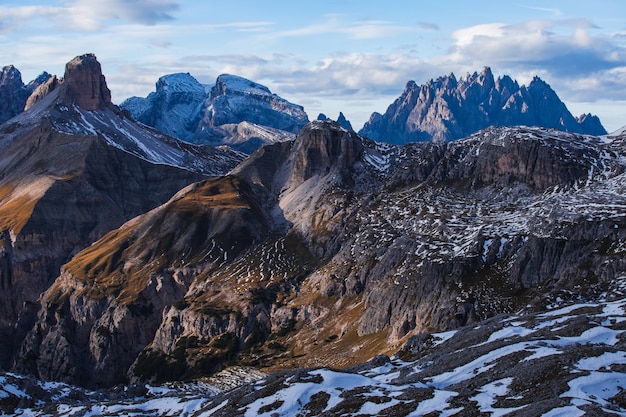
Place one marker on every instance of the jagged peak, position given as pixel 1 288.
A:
pixel 341 120
pixel 84 84
pixel 410 85
pixel 10 75
pixel 41 91
pixel 41 78
pixel 538 83
pixel 344 122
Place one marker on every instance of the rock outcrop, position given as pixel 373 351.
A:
pixel 446 109
pixel 85 85
pixel 323 147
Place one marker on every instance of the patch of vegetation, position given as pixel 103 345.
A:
pixel 184 343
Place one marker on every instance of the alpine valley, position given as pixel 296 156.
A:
pixel 209 251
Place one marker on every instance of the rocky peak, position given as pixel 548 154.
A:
pixel 477 84
pixel 41 91
pixel 13 94
pixel 179 82
pixel 84 83
pixel 184 108
pixel 341 120
pixel 324 146
pixel 344 122
pixel 234 99
pixel 591 124
pixel 446 109
pixel 11 76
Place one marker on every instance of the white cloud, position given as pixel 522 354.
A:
pixel 89 15
pixel 364 29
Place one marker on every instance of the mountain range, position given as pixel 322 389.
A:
pixel 447 109
pixel 236 112
pixel 245 115
pixel 130 256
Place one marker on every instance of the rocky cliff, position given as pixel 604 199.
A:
pixel 68 175
pixel 446 109
pixel 334 248
pixel 13 92
pixel 235 112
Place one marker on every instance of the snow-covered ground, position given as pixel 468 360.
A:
pixel 569 361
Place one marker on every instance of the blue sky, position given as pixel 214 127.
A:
pixel 330 56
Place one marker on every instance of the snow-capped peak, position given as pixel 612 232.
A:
pixel 236 83
pixel 179 82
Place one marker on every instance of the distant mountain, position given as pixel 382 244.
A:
pixel 333 248
pixel 341 120
pixel 175 108
pixel 73 167
pixel 184 108
pixel 13 92
pixel 446 109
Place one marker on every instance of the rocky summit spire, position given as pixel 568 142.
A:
pixel 84 83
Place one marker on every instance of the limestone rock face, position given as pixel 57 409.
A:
pixel 42 91
pixel 84 83
pixel 446 109
pixel 323 146
pixel 333 248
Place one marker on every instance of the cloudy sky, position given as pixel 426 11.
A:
pixel 353 56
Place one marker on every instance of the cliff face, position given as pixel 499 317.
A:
pixel 340 243
pixel 69 175
pixel 446 109
pixel 85 84
pixel 13 92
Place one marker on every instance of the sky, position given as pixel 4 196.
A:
pixel 353 56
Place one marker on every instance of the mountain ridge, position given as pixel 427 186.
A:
pixel 445 109
pixel 446 234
